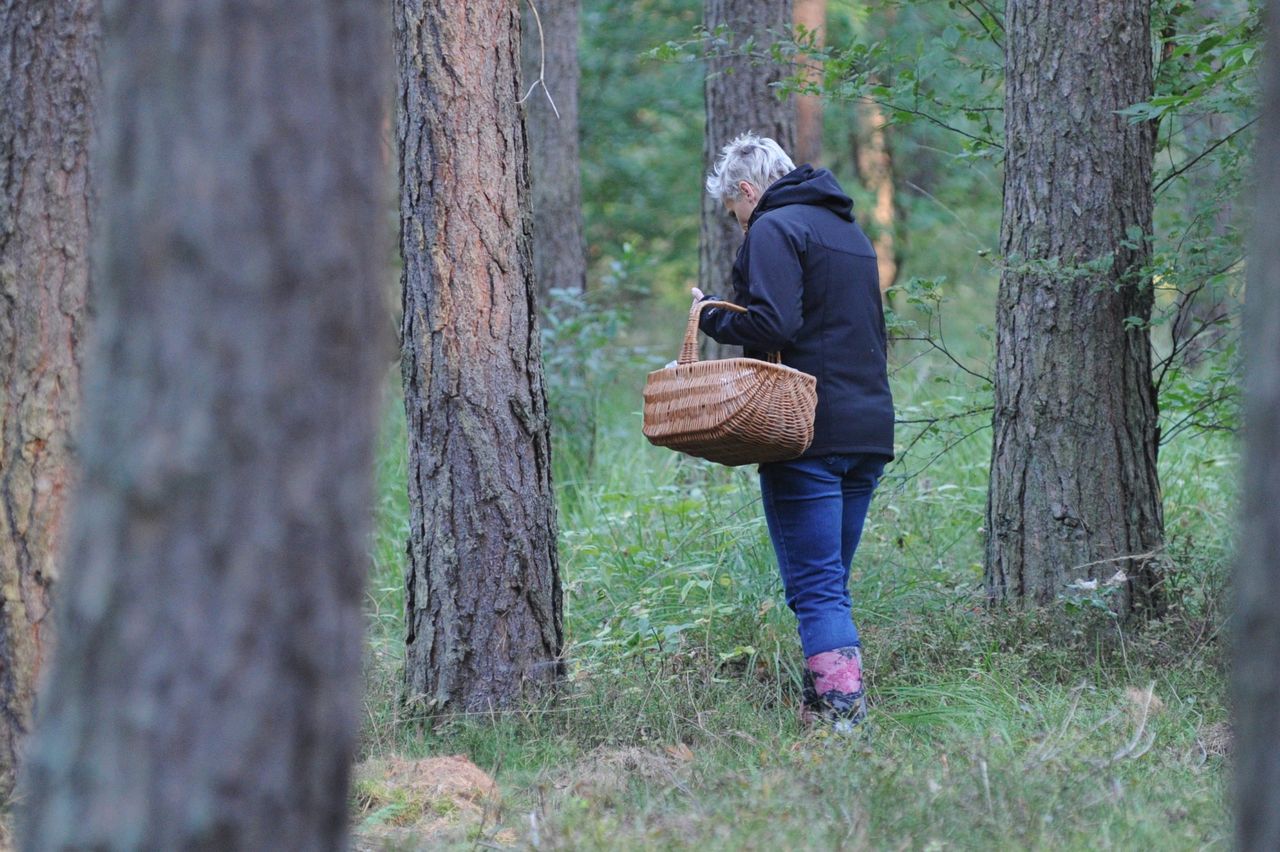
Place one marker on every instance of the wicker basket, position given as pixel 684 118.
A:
pixel 735 411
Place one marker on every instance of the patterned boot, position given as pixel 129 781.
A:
pixel 833 688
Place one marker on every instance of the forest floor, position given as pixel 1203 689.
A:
pixel 676 728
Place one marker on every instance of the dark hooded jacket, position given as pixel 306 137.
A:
pixel 807 275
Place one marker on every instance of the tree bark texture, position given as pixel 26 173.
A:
pixel 739 98
pixel 1256 673
pixel 48 99
pixel 812 15
pixel 205 692
pixel 875 166
pixel 482 583
pixel 1074 492
pixel 559 248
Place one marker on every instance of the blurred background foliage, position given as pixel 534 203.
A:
pixel 934 69
pixel 676 628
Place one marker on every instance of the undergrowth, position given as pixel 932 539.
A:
pixel 989 728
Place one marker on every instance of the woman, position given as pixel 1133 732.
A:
pixel 807 275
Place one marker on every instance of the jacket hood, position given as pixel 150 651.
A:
pixel 806 185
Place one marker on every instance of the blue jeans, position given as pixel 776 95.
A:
pixel 815 508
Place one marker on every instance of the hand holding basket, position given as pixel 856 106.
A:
pixel 733 411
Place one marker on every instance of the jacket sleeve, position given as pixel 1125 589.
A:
pixel 775 277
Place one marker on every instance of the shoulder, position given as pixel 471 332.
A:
pixel 784 223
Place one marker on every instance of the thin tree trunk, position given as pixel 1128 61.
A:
pixel 1074 492
pixel 559 250
pixel 1203 309
pixel 812 15
pixel 875 167
pixel 48 100
pixel 1200 321
pixel 1256 673
pixel 482 584
pixel 739 98
pixel 874 158
pixel 205 689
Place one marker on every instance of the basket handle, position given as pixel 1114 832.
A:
pixel 689 349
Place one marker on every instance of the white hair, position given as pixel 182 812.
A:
pixel 756 159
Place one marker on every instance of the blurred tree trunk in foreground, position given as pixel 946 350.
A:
pixel 739 98
pixel 1256 675
pixel 559 251
pixel 812 15
pixel 875 167
pixel 205 691
pixel 1074 492
pixel 48 100
pixel 482 584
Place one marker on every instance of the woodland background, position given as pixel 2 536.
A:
pixel 641 690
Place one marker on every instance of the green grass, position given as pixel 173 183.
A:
pixel 988 729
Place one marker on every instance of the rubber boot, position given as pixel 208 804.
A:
pixel 833 688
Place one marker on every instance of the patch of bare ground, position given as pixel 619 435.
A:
pixel 604 774
pixel 415 804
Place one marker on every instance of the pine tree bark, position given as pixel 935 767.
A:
pixel 1074 492
pixel 205 692
pixel 1256 673
pixel 812 15
pixel 559 247
pixel 739 98
pixel 48 100
pixel 482 583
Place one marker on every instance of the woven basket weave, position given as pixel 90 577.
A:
pixel 734 411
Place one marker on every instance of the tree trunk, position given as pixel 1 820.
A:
pixel 559 250
pixel 48 99
pixel 1256 674
pixel 812 15
pixel 739 98
pixel 205 690
pixel 482 585
pixel 875 167
pixel 1074 492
